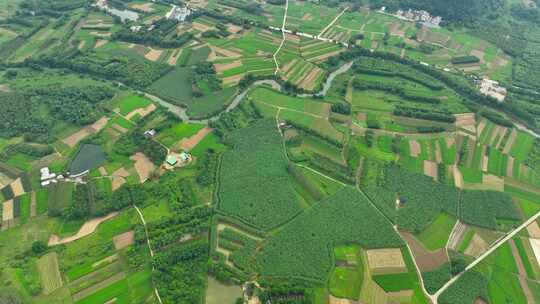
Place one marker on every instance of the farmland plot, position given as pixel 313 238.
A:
pixel 49 272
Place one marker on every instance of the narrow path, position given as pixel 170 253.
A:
pixel 283 36
pixel 279 108
pixel 33 205
pixel 491 249
pixel 332 23
pixel 149 247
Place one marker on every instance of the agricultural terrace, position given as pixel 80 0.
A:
pixel 256 167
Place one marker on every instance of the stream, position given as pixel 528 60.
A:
pixel 181 112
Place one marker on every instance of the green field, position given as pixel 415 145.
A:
pixel 436 234
pixel 169 137
pixel 133 102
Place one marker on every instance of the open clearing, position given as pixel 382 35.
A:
pixel 87 228
pixel 49 272
pixel 477 246
pixel 384 261
pixel 143 166
pixel 123 240
pixel 535 244
pixel 189 143
pixel 73 139
pixel 426 260
pixel 142 112
pixel 7 211
pixel 153 55
pixel 17 187
pixel 534 230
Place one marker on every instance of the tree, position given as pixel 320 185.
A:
pixel 38 247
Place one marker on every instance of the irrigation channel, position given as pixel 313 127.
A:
pixel 181 112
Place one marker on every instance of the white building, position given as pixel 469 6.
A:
pixel 492 88
pixel 178 13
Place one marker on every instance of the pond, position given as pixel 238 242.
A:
pixel 88 158
pixel 219 293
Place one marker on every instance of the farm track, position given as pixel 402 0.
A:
pixel 283 35
pixel 149 248
pixel 324 30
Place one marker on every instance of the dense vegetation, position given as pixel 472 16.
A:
pixel 302 248
pixel 253 181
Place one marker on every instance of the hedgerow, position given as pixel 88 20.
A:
pixel 304 247
pixel 253 182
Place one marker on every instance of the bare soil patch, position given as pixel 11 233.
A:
pixel 33 205
pixel 430 169
pixel 286 68
pixel 510 142
pixel 308 82
pixel 17 187
pixel 103 171
pixel 153 55
pixel 510 167
pixel 233 28
pixel 334 300
pixel 73 139
pixel 458 178
pixel 174 57
pixel 76 137
pixel 119 128
pixel 221 67
pixel 426 260
pixel 123 240
pixel 119 178
pixel 384 261
pixel 4 88
pixel 477 246
pixel 143 166
pixel 324 56
pixel 99 124
pixel 535 244
pixel 480 128
pixel 188 144
pixel 100 43
pixel 87 228
pixel 233 79
pixel 438 153
pixel 415 148
pixel 492 182
pixel 225 52
pixel 7 211
pixel 534 230
pixel 201 27
pixel 142 111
